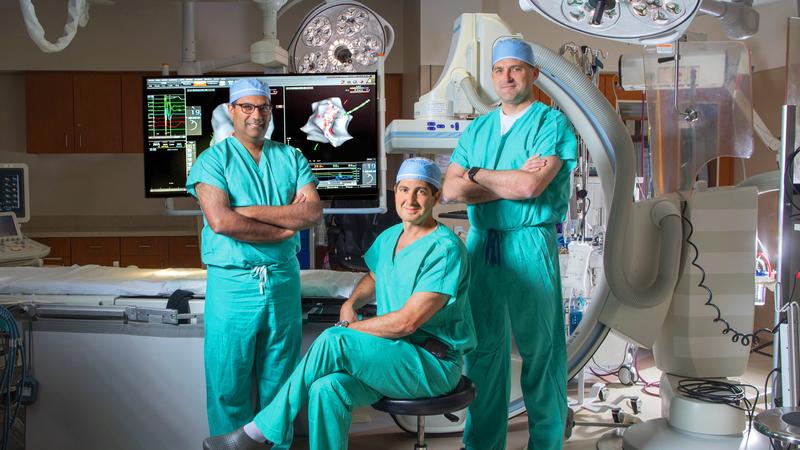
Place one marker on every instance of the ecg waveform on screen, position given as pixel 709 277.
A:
pixel 335 174
pixel 166 115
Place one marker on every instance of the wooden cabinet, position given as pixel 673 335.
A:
pixel 103 251
pixel 132 113
pixel 59 251
pixel 83 112
pixel 49 116
pixel 144 252
pixel 184 251
pixel 98 110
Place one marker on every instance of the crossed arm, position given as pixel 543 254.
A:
pixel 419 308
pixel 229 222
pixel 304 212
pixel 529 181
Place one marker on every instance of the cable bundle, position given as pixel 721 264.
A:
pixel 11 343
pixel 720 392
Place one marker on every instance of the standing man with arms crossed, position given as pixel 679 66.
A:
pixel 256 194
pixel 512 167
pixel 413 348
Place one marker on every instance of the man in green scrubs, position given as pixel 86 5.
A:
pixel 512 167
pixel 419 276
pixel 256 194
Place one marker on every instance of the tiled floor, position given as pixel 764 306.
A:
pixel 386 436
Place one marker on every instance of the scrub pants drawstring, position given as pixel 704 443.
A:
pixel 261 274
pixel 492 249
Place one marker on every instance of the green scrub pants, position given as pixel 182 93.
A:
pixel 253 331
pixel 346 369
pixel 516 271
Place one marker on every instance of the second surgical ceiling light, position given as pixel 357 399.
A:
pixel 340 36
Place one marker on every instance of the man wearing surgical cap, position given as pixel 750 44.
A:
pixel 413 348
pixel 256 195
pixel 512 167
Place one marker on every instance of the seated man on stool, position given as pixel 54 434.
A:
pixel 412 349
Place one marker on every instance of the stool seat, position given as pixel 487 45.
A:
pixel 460 398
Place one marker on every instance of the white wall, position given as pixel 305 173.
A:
pixel 436 26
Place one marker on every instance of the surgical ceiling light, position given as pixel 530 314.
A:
pixel 340 36
pixel 645 22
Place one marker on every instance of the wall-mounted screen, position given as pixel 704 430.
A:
pixel 331 118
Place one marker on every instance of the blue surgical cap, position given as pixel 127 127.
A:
pixel 513 48
pixel 420 169
pixel 248 86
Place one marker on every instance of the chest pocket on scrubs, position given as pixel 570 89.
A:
pixel 286 190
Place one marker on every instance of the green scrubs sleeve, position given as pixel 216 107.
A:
pixel 461 154
pixel 373 254
pixel 207 169
pixel 440 272
pixel 556 137
pixel 304 174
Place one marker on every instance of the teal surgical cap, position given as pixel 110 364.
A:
pixel 420 169
pixel 246 87
pixel 513 48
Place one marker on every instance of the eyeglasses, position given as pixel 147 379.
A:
pixel 248 108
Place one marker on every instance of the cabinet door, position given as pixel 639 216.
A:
pixel 103 251
pixel 48 112
pixel 184 252
pixel 132 113
pixel 59 251
pixel 144 252
pixel 98 112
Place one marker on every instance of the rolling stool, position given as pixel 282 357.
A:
pixel 457 400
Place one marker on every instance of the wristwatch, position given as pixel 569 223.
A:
pixel 471 173
pixel 342 324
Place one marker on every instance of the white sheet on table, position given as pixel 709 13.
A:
pixel 130 281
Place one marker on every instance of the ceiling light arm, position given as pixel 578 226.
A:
pixel 77 15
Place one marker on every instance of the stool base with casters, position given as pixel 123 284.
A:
pixel 460 398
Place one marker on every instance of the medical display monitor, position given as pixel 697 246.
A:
pixel 331 118
pixel 14 190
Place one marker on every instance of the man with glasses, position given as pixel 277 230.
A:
pixel 256 194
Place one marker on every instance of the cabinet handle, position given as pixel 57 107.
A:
pixel 190 246
pixel 80 141
pixel 95 247
pixel 66 140
pixel 144 246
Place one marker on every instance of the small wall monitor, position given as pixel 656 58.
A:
pixel 331 118
pixel 14 190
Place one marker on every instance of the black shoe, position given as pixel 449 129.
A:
pixel 235 440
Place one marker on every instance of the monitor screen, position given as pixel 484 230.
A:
pixel 331 118
pixel 12 190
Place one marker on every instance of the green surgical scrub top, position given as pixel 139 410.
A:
pixel 542 131
pixel 280 173
pixel 436 262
